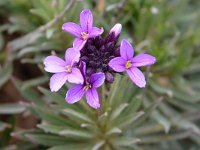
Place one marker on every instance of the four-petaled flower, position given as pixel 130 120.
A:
pixel 88 88
pixel 129 63
pixel 94 60
pixel 84 31
pixel 64 69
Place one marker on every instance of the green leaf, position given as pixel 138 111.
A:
pixel 125 141
pixel 165 137
pixel 45 139
pixel 128 120
pixel 183 123
pixel 76 133
pixel 1 41
pixel 118 111
pixel 48 128
pixel 162 120
pixel 65 131
pixel 149 128
pixel 134 104
pixel 49 115
pixel 75 146
pixel 41 13
pixel 28 93
pixel 114 130
pixel 3 126
pixel 34 82
pixel 49 33
pixel 56 97
pixel 98 145
pixel 162 90
pixel 77 115
pixel 148 111
pixel 11 108
pixel 5 74
pixel 114 89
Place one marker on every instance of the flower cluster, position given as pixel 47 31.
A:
pixel 94 60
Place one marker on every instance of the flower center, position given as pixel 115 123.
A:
pixel 87 86
pixel 68 68
pixel 84 35
pixel 98 52
pixel 128 64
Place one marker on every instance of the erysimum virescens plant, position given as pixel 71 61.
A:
pixel 169 36
pixel 93 60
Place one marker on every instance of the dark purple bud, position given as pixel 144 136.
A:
pixel 98 41
pixel 92 48
pixel 116 29
pixel 102 49
pixel 90 71
pixel 110 37
pixel 92 62
pixel 85 59
pixel 106 55
pixel 117 52
pixel 99 70
pixel 110 46
pixel 109 77
pixel 90 42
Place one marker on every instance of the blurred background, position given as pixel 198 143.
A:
pixel 30 30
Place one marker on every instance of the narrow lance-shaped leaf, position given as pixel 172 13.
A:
pixel 77 115
pixel 130 119
pixel 11 108
pixel 5 74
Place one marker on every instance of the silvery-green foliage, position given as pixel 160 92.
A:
pixel 65 126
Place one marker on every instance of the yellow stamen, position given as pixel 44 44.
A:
pixel 128 64
pixel 87 86
pixel 84 35
pixel 68 69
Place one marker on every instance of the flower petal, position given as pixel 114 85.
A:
pixel 117 64
pixel 72 56
pixel 97 79
pixel 143 60
pixel 57 81
pixel 75 76
pixel 75 94
pixel 126 50
pixel 95 32
pixel 116 29
pixel 78 44
pixel 92 98
pixel 82 67
pixel 86 20
pixel 137 77
pixel 72 28
pixel 54 64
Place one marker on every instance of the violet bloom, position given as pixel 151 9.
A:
pixel 88 88
pixel 129 63
pixel 63 69
pixel 84 31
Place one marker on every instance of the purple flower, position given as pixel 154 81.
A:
pixel 63 69
pixel 116 29
pixel 88 88
pixel 93 60
pixel 129 63
pixel 84 31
